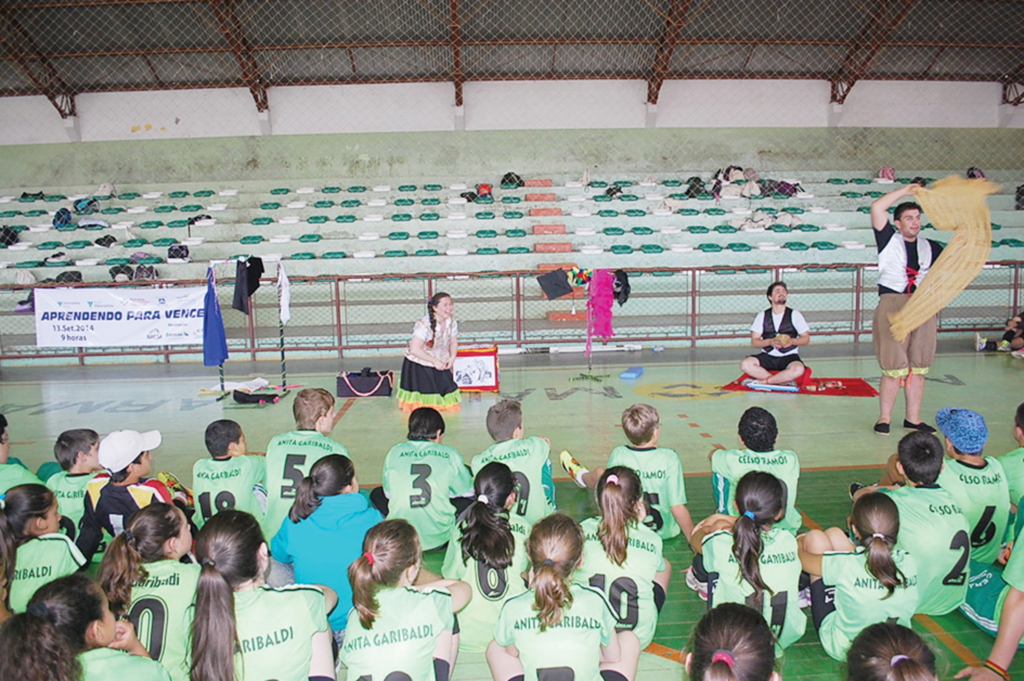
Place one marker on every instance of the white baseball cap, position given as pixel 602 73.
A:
pixel 122 447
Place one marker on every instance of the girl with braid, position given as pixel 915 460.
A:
pixel 68 633
pixel 145 582
pixel 559 629
pixel 622 556
pixel 751 560
pixel 427 379
pixel 855 585
pixel 324 531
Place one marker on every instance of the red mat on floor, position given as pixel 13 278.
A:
pixel 847 387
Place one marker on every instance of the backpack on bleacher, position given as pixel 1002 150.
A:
pixel 975 173
pixel 177 252
pixel 511 181
pixel 121 273
pixel 8 236
pixel 86 206
pixel 62 218
pixel 694 187
pixel 887 173
pixel 144 272
pixel 1019 202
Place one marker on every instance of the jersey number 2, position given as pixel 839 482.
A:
pixel 958 574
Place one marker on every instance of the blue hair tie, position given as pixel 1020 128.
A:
pixel 748 514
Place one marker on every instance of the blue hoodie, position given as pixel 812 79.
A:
pixel 323 546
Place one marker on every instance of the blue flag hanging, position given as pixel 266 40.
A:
pixel 215 342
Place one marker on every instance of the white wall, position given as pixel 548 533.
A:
pixel 531 105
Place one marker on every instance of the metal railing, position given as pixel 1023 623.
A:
pixel 332 316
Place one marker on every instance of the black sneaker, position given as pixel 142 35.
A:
pixel 855 487
pixel 882 428
pixel 923 427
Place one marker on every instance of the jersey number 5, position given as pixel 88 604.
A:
pixel 292 474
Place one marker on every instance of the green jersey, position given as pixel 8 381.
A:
pixel 235 482
pixel 275 627
pixel 860 600
pixel 661 473
pixel 934 531
pixel 70 488
pixel 528 459
pixel 289 458
pixel 780 570
pixel 402 640
pixel 570 649
pixel 419 479
pixel 103 664
pixel 159 612
pixel 729 466
pixel 628 588
pixel 41 560
pixel 14 474
pixel 1013 467
pixel 982 493
pixel 491 586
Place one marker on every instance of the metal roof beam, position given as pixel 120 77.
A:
pixel 23 50
pixel 666 46
pixel 231 29
pixel 886 17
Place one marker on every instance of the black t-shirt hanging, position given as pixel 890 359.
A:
pixel 247 280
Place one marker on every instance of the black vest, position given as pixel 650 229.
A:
pixel 768 330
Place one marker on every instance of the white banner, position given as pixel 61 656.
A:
pixel 108 317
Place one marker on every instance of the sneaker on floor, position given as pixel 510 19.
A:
pixel 1019 354
pixel 803 598
pixel 747 381
pixel 855 487
pixel 573 467
pixel 1004 346
pixel 923 427
pixel 882 428
pixel 700 587
pixel 979 343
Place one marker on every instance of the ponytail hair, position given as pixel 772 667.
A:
pixel 486 535
pixel 732 643
pixel 22 504
pixel 143 540
pixel 555 548
pixel 877 521
pixel 760 499
pixel 44 642
pixel 434 301
pixel 327 477
pixel 619 493
pixel 228 550
pixel 889 652
pixel 390 548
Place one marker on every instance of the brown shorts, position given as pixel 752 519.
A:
pixel 915 354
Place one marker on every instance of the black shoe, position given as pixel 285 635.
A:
pixel 923 427
pixel 855 487
pixel 882 428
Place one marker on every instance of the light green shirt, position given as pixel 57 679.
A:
pixel 403 637
pixel 984 496
pixel 104 664
pixel 289 458
pixel 14 474
pixel 780 570
pixel 1013 466
pixel 275 629
pixel 491 586
pixel 420 477
pixel 39 561
pixel 934 531
pixel 661 474
pixel 219 484
pixel 628 588
pixel 573 646
pixel 70 491
pixel 860 600
pixel 527 458
pixel 729 466
pixel 159 611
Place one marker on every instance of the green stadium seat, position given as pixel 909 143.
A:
pixel 673 183
pixel 874 194
pixel 40 213
pixel 431 202
pixel 25 264
pixel 151 260
pixel 350 203
pixel 203 193
pixel 518 250
pixel 512 215
pixel 793 210
pixel 10 214
pixel 112 210
pixel 303 256
pixel 270 205
pixel 164 242
pixel 427 235
pixel 78 245
pixel 860 180
pixel 996 227
pixel 796 246
pixel 511 199
pixel 642 231
pixel 697 229
pixel 852 195
pixel 1012 243
pixel 487 251
pixel 356 189
pixel 395 253
pixel 621 249
pixel 613 231
pixel 781 229
pixel 515 233
pixel 165 209
pixel 426 252
pixel 485 200
pixel 150 224
pixel 26 199
pixel 70 227
pixel 317 219
pixel 705 196
pixel 177 194
pixel 635 213
pixel 310 238
pixel 689 212
pixel 251 239
pixel 429 217
pixel 331 190
pixel 486 234
pixel 432 188
pixel 778 196
pixel 399 236
pixel 333 255
pixel 837 180
pixel 628 198
pixel 54 198
pixel 714 211
pixel 710 248
pixel 401 217
pixel 623 183
pixel 118 261
pixel 739 247
pixel 825 245
pixel 808 228
pixel 608 213
pixel 325 203
pixel 404 202
pixel 485 215
pixel 651 249
pixel 602 198
pixel 597 184
pixel 725 229
pixel 191 208
pixel 345 219
pixel 864 209
pixel 407 188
